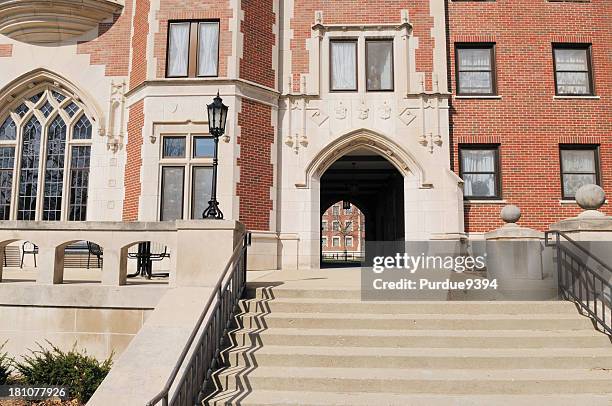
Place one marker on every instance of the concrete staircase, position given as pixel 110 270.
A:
pixel 326 347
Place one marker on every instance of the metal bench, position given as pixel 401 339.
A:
pixel 92 249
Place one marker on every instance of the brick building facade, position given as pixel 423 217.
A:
pixel 307 83
pixel 525 117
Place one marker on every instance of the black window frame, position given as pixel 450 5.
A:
pixel 589 56
pixel 381 39
pixel 496 173
pixel 581 147
pixel 354 41
pixel 477 45
pixel 194 45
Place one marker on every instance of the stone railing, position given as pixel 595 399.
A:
pixel 198 249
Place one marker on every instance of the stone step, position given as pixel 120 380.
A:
pixel 426 381
pixel 303 398
pixel 311 305
pixel 422 338
pixel 439 358
pixel 279 292
pixel 416 321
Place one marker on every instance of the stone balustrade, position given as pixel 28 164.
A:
pixel 198 248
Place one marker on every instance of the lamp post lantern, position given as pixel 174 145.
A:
pixel 217 116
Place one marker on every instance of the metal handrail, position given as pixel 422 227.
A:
pixel 238 257
pixel 572 271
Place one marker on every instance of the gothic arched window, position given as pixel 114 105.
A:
pixel 45 152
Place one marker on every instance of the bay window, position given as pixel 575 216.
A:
pixel 186 176
pixel 193 49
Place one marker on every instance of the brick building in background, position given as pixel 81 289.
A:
pixel 103 118
pixel 342 233
pixel 531 105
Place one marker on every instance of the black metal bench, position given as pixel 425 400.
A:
pixel 92 249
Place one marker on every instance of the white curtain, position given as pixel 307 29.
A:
pixel 478 167
pixel 578 170
pixel 208 52
pixel 475 71
pixel 572 71
pixel 344 65
pixel 178 49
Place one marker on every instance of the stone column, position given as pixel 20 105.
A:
pixel 517 259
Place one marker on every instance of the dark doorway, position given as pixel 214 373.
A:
pixel 370 182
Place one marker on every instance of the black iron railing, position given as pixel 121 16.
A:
pixel 204 343
pixel 590 287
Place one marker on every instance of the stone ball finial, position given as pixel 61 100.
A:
pixel 510 214
pixel 590 197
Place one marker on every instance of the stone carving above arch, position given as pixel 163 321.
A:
pixel 405 163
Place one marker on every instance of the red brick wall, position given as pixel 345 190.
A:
pixel 138 73
pixel 527 122
pixel 361 12
pixel 256 170
pixel 193 10
pixel 6 50
pixel 134 162
pixel 111 47
pixel 259 40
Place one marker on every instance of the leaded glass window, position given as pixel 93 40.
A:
pixel 7 161
pixel 28 178
pixel 54 173
pixel 8 130
pixel 79 180
pixel 48 179
pixel 82 129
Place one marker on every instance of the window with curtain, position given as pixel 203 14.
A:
pixel 186 176
pixel 343 65
pixel 348 241
pixel 480 171
pixel 475 69
pixel 42 134
pixel 579 167
pixel 193 49
pixel 379 57
pixel 573 74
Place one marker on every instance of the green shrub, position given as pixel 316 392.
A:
pixel 80 373
pixel 5 364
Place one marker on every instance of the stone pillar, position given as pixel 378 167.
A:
pixel 114 266
pixel 204 248
pixel 517 259
pixel 591 224
pixel 50 263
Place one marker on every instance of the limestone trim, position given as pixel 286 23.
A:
pixel 40 77
pixel 405 163
pixel 45 22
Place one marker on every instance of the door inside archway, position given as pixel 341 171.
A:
pixel 374 186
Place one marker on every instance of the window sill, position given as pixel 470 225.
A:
pixel 576 97
pixel 485 201
pixel 478 97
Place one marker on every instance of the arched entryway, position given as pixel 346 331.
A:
pixel 364 179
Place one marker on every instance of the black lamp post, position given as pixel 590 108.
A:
pixel 217 115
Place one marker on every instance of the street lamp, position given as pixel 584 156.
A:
pixel 217 115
